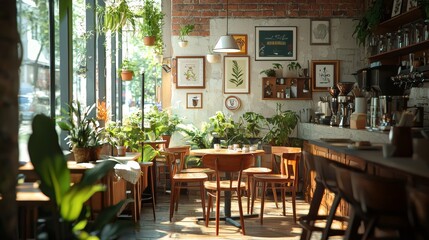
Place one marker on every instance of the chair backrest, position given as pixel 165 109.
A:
pixel 379 195
pixel 279 151
pixel 418 200
pixel 290 165
pixel 344 181
pixel 326 173
pixel 228 163
pixel 176 157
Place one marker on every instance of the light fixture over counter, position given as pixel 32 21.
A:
pixel 226 43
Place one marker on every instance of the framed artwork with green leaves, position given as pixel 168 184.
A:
pixel 236 74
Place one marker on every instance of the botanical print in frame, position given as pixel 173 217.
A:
pixel 190 71
pixel 241 40
pixel 236 74
pixel 320 32
pixel 411 4
pixel 325 74
pixel 194 100
pixel 275 43
pixel 396 8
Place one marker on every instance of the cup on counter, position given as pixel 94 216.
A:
pixel 253 148
pixel 216 146
pixel 246 148
pixel 235 146
pixel 230 147
pixel 388 150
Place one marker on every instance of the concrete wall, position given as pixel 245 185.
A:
pixel 343 47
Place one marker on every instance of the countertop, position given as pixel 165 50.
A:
pixel 416 167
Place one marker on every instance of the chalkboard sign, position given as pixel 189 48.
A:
pixel 275 43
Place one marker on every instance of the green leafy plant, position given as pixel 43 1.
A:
pixel 185 31
pixel 70 217
pixel 198 138
pixel 368 22
pixel 161 122
pixel 237 74
pixel 223 127
pixel 151 24
pixel 84 130
pixel 115 134
pixel 133 131
pixel 270 72
pixel 127 65
pixel 253 123
pixel 277 66
pixel 116 16
pixel 280 126
pixel 294 66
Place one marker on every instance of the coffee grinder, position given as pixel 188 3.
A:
pixel 334 91
pixel 345 103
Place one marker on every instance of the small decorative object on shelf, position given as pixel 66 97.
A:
pixel 286 88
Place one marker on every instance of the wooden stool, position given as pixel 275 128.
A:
pixel 325 179
pixel 147 167
pixel 383 202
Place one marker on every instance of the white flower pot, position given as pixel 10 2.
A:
pixel 213 58
pixel 183 44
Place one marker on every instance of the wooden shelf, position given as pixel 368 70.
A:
pixel 400 20
pixel 285 88
pixel 400 51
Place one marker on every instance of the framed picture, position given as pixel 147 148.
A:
pixel 275 43
pixel 236 74
pixel 325 74
pixel 232 103
pixel 241 40
pixel 397 6
pixel 194 100
pixel 190 72
pixel 411 4
pixel 320 32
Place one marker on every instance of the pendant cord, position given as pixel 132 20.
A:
pixel 226 17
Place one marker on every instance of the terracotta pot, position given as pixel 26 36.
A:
pixel 121 150
pixel 86 154
pixel 127 75
pixel 149 40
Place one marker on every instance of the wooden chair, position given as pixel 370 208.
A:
pixel 232 165
pixel 249 173
pixel 176 158
pixel 287 180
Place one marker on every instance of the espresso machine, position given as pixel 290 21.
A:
pixel 345 103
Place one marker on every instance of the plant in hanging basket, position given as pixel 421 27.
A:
pixel 183 32
pixel 127 70
pixel 151 25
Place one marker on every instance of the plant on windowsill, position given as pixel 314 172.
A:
pixel 183 33
pixel 127 70
pixel 151 24
pixel 85 136
pixel 69 217
pixel 116 136
pixel 212 57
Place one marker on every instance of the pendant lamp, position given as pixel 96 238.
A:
pixel 226 43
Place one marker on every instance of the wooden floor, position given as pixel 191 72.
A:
pixel 186 226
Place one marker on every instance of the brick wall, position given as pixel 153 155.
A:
pixel 199 12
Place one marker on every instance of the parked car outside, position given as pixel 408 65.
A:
pixel 26 111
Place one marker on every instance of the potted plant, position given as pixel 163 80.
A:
pixel 183 32
pixel 280 126
pixel 368 22
pixel 212 57
pixel 70 216
pixel 116 136
pixel 294 68
pixel 116 16
pixel 85 135
pixel 161 124
pixel 224 128
pixel 278 68
pixel 151 24
pixel 127 70
pixel 198 138
pixel 253 124
pixel 270 72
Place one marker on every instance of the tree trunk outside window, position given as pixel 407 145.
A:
pixel 10 55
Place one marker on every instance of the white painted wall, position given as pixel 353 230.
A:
pixel 343 47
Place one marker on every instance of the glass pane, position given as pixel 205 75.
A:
pixel 79 51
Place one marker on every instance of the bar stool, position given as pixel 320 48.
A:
pixel 325 179
pixel 344 182
pixel 146 167
pixel 418 199
pixel 383 202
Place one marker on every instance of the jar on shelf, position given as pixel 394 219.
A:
pixel 268 92
pixel 426 30
pixel 417 32
pixel 389 42
pixel 381 44
pixel 399 39
pixel 406 37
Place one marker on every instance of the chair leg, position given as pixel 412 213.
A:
pixel 294 205
pixel 283 199
pixel 203 197
pixel 331 216
pixel 273 187
pixel 178 195
pixel 353 226
pixel 261 217
pixel 255 182
pixel 314 208
pixel 153 193
pixel 217 211
pixel 172 200
pixel 240 209
pixel 249 192
pixel 209 205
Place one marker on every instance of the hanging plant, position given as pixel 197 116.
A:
pixel 116 16
pixel 368 22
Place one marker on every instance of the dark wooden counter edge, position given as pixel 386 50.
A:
pixel 409 165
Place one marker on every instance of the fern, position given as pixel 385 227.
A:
pixel 237 74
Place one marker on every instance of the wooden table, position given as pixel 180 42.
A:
pixel 222 152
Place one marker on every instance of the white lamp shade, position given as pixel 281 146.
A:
pixel 226 44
